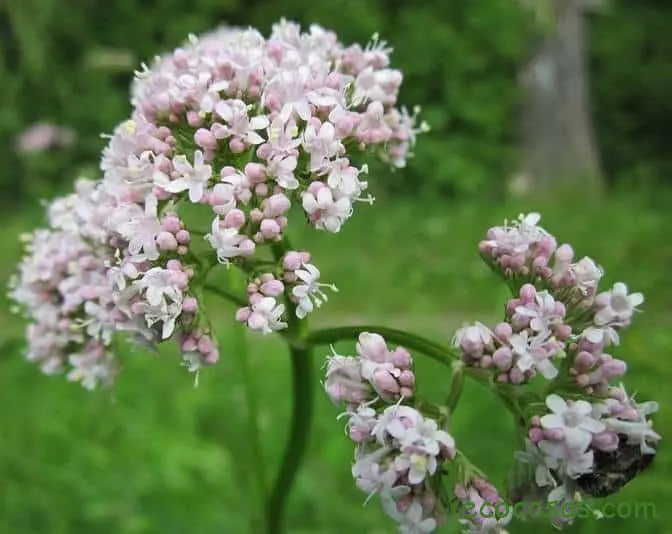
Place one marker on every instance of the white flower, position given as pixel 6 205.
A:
pixel 266 315
pixel 234 112
pixel 140 228
pixel 322 144
pixel 370 475
pixel 157 287
pixel 587 274
pixel 533 353
pixel 225 241
pixel 309 292
pixel 543 314
pixel 568 460
pixel 327 213
pixel 396 421
pixel 574 420
pixel 616 306
pixel 193 178
pixel 282 169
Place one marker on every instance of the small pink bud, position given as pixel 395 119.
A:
pixel 205 139
pixel 228 170
pixel 256 215
pixel 564 254
pixel 234 219
pixel 292 261
pixel 535 420
pixel 406 392
pixel 189 345
pixel 183 237
pixel 193 119
pixel 212 357
pixel 605 441
pixel 255 172
pixel 502 358
pixel 272 288
pixel 174 265
pixel 182 250
pixel 503 331
pixel 190 305
pixel 276 205
pixel 236 145
pixel 582 380
pixel 205 345
pixel 243 314
pixel 261 190
pixel 400 358
pixel 528 294
pixel 584 361
pixel 407 379
pixel 486 361
pixel 516 376
pixel 166 241
pixel 563 331
pixel 536 435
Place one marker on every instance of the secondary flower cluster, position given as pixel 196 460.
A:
pixel 399 452
pixel 559 327
pixel 589 448
pixel 236 128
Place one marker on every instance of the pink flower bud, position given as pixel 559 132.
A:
pixel 564 255
pixel 236 145
pixel 407 379
pixel 536 435
pixel 189 345
pixel 212 357
pixel 194 119
pixel 272 288
pixel 256 215
pixel 243 314
pixel 372 347
pixel 166 241
pixel 502 358
pixel 205 139
pixel 582 380
pixel 182 250
pixel 174 265
pixel 292 261
pixel 190 305
pixel 400 358
pixel 516 376
pixel 183 237
pixel 228 170
pixel 205 345
pixel 234 219
pixel 255 172
pixel 528 294
pixel 384 383
pixel 276 205
pixel 503 331
pixel 584 361
pixel 605 441
pixel 261 190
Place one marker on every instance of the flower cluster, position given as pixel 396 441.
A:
pixel 596 438
pixel 227 134
pixel 399 451
pixel 483 509
pixel 583 448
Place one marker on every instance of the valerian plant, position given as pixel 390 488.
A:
pixel 241 128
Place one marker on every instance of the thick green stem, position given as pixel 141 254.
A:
pixel 302 414
pixel 302 408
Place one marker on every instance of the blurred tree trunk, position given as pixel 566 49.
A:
pixel 557 139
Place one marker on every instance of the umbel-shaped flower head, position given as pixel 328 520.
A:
pixel 227 133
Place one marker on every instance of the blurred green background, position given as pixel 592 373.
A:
pixel 158 455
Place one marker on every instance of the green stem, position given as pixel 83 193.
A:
pixel 302 408
pixel 256 449
pixel 456 386
pixel 302 414
pixel 437 352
